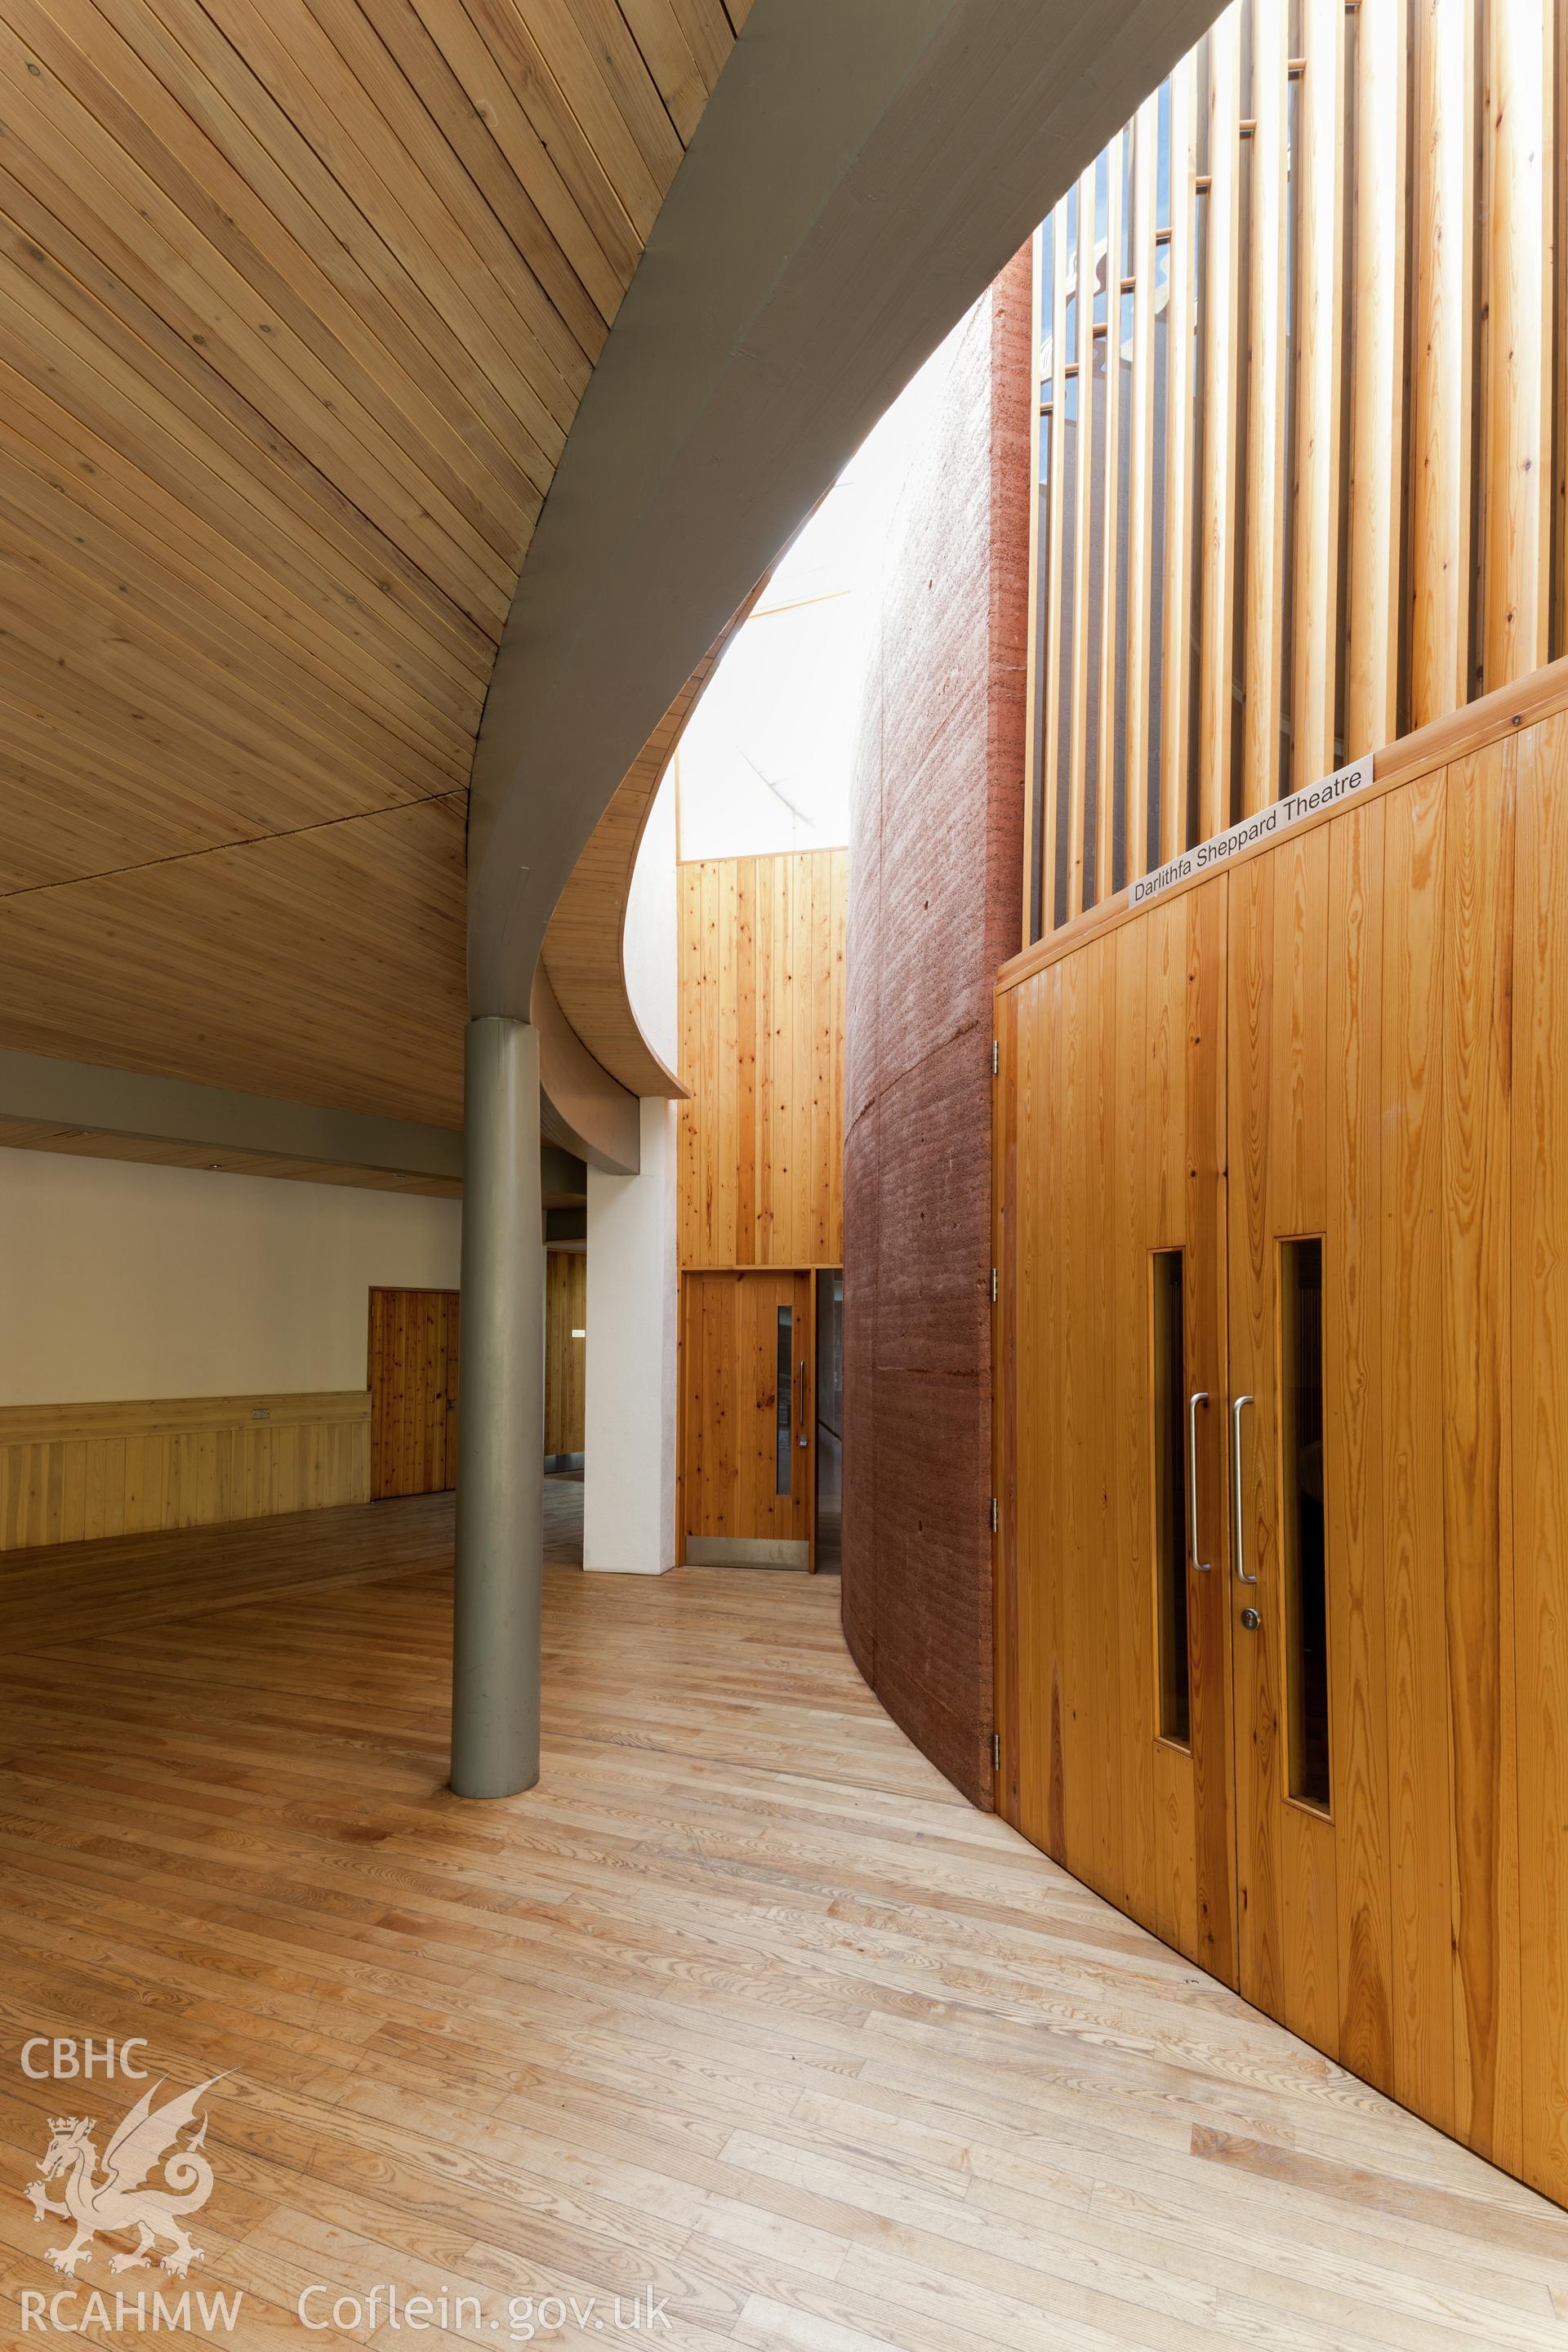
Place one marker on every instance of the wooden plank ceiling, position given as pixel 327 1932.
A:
pixel 296 304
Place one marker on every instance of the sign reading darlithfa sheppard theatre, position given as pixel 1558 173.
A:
pixel 1278 818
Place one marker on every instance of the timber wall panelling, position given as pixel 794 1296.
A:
pixel 762 1048
pixel 1301 432
pixel 1335 1077
pixel 566 1357
pixel 72 1471
pixel 760 1173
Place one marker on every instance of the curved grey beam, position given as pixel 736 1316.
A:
pixel 580 1106
pixel 132 1103
pixel 861 173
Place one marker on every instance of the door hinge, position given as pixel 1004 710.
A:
pixel 993 1286
pixel 996 1059
pixel 997 1751
pixel 995 1516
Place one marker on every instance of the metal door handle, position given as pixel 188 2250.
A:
pixel 1236 1413
pixel 1198 1397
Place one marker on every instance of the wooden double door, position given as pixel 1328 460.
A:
pixel 1283 1454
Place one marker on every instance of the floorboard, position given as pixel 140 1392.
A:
pixel 743 2007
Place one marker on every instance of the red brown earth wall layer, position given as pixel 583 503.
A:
pixel 936 859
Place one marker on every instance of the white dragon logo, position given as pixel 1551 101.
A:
pixel 120 2200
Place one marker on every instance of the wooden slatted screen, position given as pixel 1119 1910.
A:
pixel 1301 436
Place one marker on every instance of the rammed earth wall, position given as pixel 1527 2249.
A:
pixel 935 894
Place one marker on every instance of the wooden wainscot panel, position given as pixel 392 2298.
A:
pixel 72 1471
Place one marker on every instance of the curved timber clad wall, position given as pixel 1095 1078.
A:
pixel 935 895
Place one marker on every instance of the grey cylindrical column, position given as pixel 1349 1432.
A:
pixel 500 1433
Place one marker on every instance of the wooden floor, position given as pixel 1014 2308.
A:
pixel 742 2005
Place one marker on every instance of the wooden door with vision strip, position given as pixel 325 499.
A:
pixel 1112 1274
pixel 747 1457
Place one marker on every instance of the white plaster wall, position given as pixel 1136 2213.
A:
pixel 629 1486
pixel 121 1281
pixel 649 948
